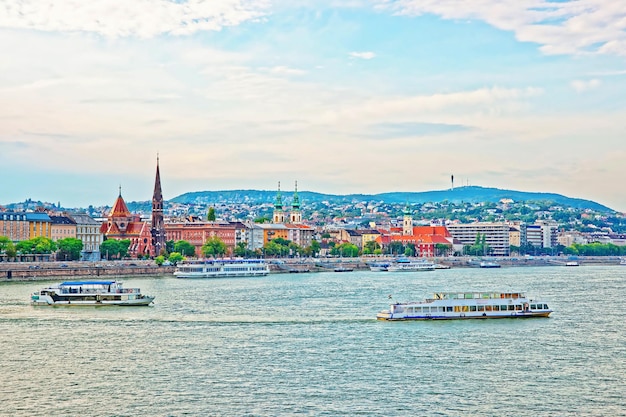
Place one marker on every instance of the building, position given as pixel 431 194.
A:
pixel 197 232
pixel 14 225
pixel 88 232
pixel 39 224
pixel 121 224
pixel 542 234
pixel 62 227
pixel 496 235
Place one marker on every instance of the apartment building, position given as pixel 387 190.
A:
pixel 496 235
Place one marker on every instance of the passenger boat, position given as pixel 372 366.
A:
pixel 467 305
pixel 407 265
pixel 90 293
pixel 489 264
pixel 379 266
pixel 222 268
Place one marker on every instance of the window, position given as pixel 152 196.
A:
pixel 518 307
pixel 503 308
pixel 481 308
pixel 472 308
pixel 511 307
pixel 533 307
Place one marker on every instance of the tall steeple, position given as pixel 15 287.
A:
pixel 296 214
pixel 279 214
pixel 158 225
pixel 407 223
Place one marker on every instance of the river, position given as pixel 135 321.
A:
pixel 309 345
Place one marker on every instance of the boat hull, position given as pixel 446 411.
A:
pixel 48 301
pixel 466 316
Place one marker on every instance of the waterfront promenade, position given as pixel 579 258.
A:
pixel 27 271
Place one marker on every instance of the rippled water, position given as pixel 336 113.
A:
pixel 309 344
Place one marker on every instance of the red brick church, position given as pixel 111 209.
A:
pixel 146 238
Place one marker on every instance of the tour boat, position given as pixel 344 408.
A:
pixel 489 264
pixel 222 268
pixel 467 305
pixel 622 261
pixel 90 293
pixel 379 266
pixel 407 265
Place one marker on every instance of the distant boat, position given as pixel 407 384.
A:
pixel 379 266
pixel 407 265
pixel 489 264
pixel 343 269
pixel 442 266
pixel 571 263
pixel 222 268
pixel 622 261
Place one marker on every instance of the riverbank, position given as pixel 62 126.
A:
pixel 23 271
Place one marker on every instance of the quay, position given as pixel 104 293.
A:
pixel 31 271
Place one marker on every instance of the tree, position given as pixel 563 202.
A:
pixel 315 247
pixel 159 260
pixel 214 246
pixel 7 247
pixel 184 248
pixel 36 245
pixel 370 247
pixel 169 246
pixel 112 248
pixel 69 249
pixel 210 216
pixel 175 258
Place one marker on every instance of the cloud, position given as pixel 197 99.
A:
pixel 362 55
pixel 395 130
pixel 582 86
pixel 564 27
pixel 121 18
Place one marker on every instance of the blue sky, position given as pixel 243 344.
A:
pixel 344 96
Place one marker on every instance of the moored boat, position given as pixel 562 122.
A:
pixel 407 265
pixel 571 263
pixel 222 268
pixel 489 264
pixel 467 305
pixel 90 293
pixel 379 266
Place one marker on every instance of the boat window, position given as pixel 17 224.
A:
pixel 486 295
pixel 518 307
pixel 511 307
pixel 481 308
pixel 441 309
pixel 533 307
pixel 469 296
pixel 465 308
pixel 495 308
pixel 503 308
pixel 449 308
pixel 457 309
pixel 472 308
pixel 545 306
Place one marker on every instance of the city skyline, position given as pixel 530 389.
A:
pixel 344 96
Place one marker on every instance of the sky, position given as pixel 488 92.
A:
pixel 342 96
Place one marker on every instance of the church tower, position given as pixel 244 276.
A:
pixel 407 223
pixel 279 214
pixel 296 214
pixel 158 226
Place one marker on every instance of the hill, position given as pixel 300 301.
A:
pixel 470 194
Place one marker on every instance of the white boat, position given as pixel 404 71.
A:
pixel 90 293
pixel 622 261
pixel 379 266
pixel 467 305
pixel 407 265
pixel 489 264
pixel 222 268
pixel 571 263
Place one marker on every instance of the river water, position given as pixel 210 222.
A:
pixel 309 345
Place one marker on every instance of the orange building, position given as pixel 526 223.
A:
pixel 198 232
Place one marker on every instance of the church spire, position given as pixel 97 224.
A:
pixel 279 215
pixel 296 215
pixel 158 225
